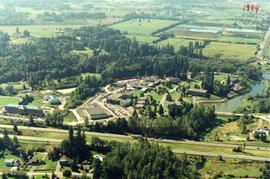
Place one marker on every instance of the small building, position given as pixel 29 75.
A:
pixel 95 112
pixel 126 103
pixel 12 163
pixel 64 163
pixel 119 98
pixel 52 99
pixel 173 80
pixel 197 92
pixel 98 157
pixel 261 131
pixel 24 110
pixel 237 87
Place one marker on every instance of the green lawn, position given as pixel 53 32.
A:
pixel 70 117
pixel 156 96
pixel 3 168
pixel 142 27
pixel 16 85
pixel 229 51
pixel 48 167
pixel 5 100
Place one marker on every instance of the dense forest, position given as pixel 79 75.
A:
pixel 186 121
pixel 128 161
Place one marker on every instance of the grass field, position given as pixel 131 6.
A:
pixel 70 117
pixel 236 169
pixel 143 27
pixel 176 42
pixel 3 168
pixel 16 85
pixel 5 100
pixel 229 51
pixel 38 30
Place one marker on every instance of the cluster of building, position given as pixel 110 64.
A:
pixel 24 110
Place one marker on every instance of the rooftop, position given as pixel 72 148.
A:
pixel 96 109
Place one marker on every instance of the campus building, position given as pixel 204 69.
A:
pixel 95 112
pixel 24 110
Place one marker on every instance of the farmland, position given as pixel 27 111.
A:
pixel 142 27
pixel 229 51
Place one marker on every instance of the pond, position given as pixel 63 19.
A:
pixel 233 104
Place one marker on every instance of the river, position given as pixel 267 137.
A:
pixel 233 104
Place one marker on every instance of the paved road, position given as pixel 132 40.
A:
pixel 266 118
pixel 209 154
pixel 264 44
pixel 243 157
pixel 154 140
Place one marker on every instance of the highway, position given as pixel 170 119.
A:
pixel 177 151
pixel 263 45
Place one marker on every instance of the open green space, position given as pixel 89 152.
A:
pixel 234 168
pixel 142 27
pixel 39 30
pixel 7 155
pixel 5 100
pixel 70 117
pixel 176 42
pixel 229 51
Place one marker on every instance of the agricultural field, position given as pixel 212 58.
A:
pixel 176 42
pixel 229 51
pixel 142 27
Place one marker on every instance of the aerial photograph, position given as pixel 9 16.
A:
pixel 135 89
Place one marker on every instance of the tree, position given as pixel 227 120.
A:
pixel 26 33
pixel 160 110
pixel 67 173
pixel 15 128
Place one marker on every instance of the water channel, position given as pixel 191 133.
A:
pixel 233 104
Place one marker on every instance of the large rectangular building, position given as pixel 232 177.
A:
pixel 95 112
pixel 24 110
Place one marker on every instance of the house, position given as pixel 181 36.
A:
pixel 24 110
pixel 173 80
pixel 12 163
pixel 64 163
pixel 126 103
pixel 197 92
pixel 98 157
pixel 261 131
pixel 95 112
pixel 237 87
